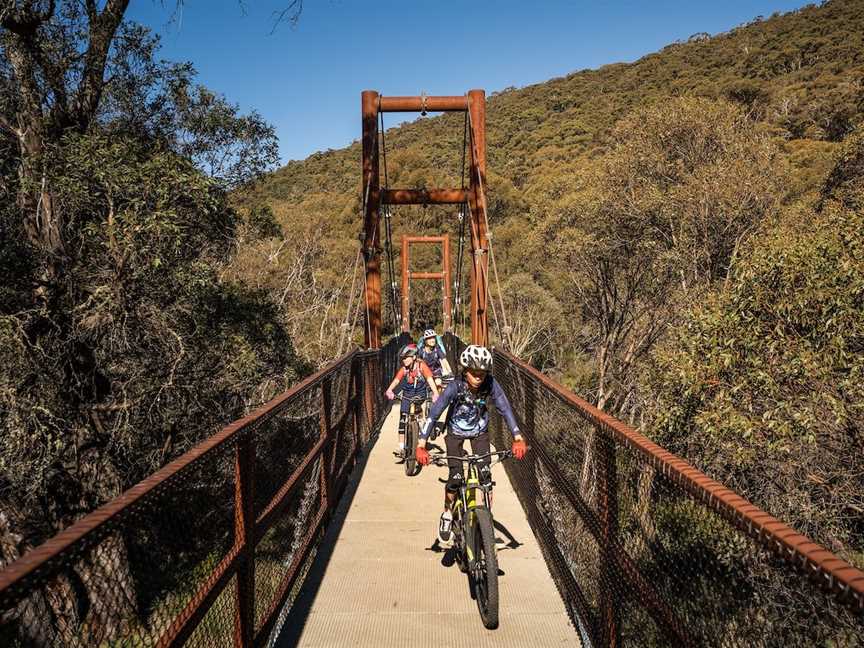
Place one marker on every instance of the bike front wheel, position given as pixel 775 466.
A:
pixel 412 432
pixel 484 571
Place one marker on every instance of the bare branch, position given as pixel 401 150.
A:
pixel 290 14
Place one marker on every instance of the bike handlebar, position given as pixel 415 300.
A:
pixel 410 400
pixel 441 460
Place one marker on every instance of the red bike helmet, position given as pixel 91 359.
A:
pixel 408 350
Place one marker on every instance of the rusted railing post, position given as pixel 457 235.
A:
pixel 324 423
pixel 607 478
pixel 244 540
pixel 371 397
pixel 357 410
pixel 366 396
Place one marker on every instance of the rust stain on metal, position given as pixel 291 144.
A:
pixel 371 218
pixel 86 525
pixel 424 104
pixel 477 204
pixel 424 196
pixel 244 540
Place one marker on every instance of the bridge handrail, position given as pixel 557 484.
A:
pixel 839 575
pixel 79 530
pixel 645 548
pixel 327 417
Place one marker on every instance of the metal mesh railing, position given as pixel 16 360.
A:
pixel 648 551
pixel 454 346
pixel 645 550
pixel 207 551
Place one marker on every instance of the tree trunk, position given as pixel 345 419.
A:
pixel 30 614
pixel 42 220
pixel 110 593
pixel 91 603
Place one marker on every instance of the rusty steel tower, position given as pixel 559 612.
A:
pixel 372 105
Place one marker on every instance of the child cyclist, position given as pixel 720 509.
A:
pixel 431 351
pixel 433 355
pixel 468 418
pixel 412 380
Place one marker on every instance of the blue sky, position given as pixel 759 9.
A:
pixel 306 80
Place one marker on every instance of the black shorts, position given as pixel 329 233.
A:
pixel 479 445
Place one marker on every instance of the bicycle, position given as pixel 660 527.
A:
pixel 473 530
pixel 416 412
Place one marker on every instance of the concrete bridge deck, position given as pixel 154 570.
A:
pixel 379 579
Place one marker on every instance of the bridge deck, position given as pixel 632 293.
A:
pixel 378 580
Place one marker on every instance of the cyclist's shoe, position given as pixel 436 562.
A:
pixel 399 453
pixel 454 482
pixel 445 529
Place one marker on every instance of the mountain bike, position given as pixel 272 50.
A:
pixel 473 532
pixel 416 413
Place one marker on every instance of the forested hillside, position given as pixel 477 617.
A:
pixel 679 239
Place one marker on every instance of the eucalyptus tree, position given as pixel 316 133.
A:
pixel 121 343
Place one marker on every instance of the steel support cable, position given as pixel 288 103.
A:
pixel 391 267
pixel 357 310
pixel 507 328
pixel 366 297
pixel 484 277
pixel 457 310
pixel 370 251
pixel 494 310
pixel 344 330
pixel 460 255
pixel 388 232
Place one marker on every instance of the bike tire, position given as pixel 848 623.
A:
pixel 411 434
pixel 459 543
pixel 485 568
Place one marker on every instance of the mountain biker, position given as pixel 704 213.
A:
pixel 412 380
pixel 431 351
pixel 433 355
pixel 468 418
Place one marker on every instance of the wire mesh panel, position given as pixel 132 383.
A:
pixel 453 345
pixel 208 550
pixel 647 551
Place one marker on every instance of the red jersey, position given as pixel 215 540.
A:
pixel 412 375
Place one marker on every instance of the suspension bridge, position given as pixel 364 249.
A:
pixel 292 526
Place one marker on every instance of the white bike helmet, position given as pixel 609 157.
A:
pixel 476 357
pixel 429 333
